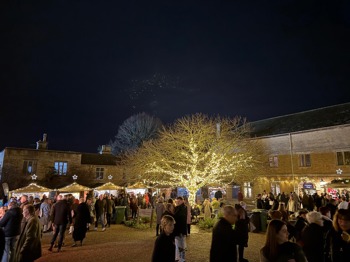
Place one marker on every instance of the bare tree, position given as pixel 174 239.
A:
pixel 198 151
pixel 135 130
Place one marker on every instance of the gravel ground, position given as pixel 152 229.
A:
pixel 124 244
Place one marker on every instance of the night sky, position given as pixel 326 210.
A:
pixel 77 69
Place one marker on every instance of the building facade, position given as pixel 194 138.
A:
pixel 307 151
pixel 55 169
pixel 307 160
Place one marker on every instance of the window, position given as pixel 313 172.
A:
pixel 343 158
pixel 305 160
pixel 275 188
pixel 61 168
pixel 99 172
pixel 273 160
pixel 29 167
pixel 247 189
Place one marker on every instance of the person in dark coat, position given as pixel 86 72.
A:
pixel 180 230
pixel 218 195
pixel 61 216
pixel 340 236
pixel 327 226
pixel 259 202
pixel 160 208
pixel 164 247
pixel 224 238
pixel 299 225
pixel 28 247
pixel 313 238
pixel 100 209
pixel 332 205
pixel 242 229
pixel 81 221
pixel 11 224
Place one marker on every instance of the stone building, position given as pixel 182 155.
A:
pixel 306 152
pixel 55 169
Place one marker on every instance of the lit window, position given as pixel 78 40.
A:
pixel 61 168
pixel 305 160
pixel 99 172
pixel 275 188
pixel 273 160
pixel 29 167
pixel 343 158
pixel 247 189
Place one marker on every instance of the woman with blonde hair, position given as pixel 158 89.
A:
pixel 277 248
pixel 207 209
pixel 164 247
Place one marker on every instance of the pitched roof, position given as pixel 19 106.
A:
pixel 312 119
pixel 98 159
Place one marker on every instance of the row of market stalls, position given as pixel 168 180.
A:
pixel 77 190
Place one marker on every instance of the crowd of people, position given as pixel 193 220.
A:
pixel 317 225
pixel 297 230
pixel 23 220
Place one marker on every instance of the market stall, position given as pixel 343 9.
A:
pixel 338 187
pixel 32 189
pixel 109 188
pixel 137 188
pixel 75 189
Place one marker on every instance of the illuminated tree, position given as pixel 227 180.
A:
pixel 134 130
pixel 197 151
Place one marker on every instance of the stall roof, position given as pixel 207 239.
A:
pixel 108 186
pixel 32 188
pixel 138 185
pixel 74 187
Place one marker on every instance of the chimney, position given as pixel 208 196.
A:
pixel 105 150
pixel 42 144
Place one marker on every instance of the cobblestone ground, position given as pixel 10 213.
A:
pixel 123 244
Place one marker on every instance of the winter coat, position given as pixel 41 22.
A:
pixel 313 242
pixel 223 243
pixel 160 208
pixel 287 251
pixel 181 220
pixel 242 229
pixel 100 207
pixel 28 247
pixel 11 222
pixel 61 213
pixel 164 248
pixel 81 220
pixel 340 249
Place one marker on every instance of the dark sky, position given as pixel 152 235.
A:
pixel 77 69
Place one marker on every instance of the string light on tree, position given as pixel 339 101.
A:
pixel 192 154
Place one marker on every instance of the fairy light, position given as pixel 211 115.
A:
pixel 191 155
